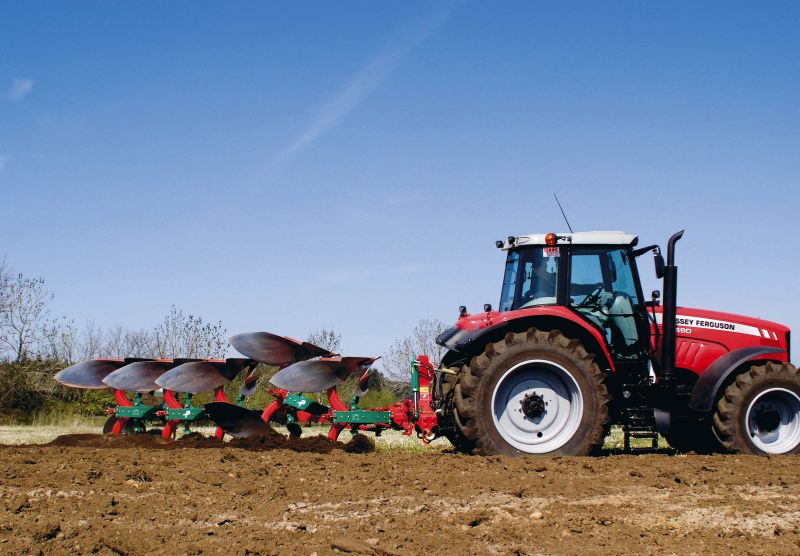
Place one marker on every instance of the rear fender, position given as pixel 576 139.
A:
pixel 472 342
pixel 710 382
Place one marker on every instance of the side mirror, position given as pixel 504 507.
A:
pixel 654 298
pixel 659 261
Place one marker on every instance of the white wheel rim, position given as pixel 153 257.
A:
pixel 563 406
pixel 773 421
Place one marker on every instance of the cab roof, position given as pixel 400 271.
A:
pixel 576 238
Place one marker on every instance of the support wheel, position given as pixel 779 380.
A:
pixel 759 413
pixel 534 392
pixel 295 431
pixel 117 425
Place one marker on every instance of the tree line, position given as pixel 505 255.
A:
pixel 35 344
pixel 29 331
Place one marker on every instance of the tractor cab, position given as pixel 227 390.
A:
pixel 592 274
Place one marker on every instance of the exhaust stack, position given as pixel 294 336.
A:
pixel 670 308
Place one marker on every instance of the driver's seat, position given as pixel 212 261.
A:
pixel 621 318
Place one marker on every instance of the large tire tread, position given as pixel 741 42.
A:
pixel 482 367
pixel 454 431
pixel 728 419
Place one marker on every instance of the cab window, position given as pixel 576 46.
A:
pixel 531 278
pixel 602 290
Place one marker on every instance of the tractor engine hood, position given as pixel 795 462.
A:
pixel 728 329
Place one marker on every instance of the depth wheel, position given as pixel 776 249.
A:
pixel 759 413
pixel 128 426
pixel 533 393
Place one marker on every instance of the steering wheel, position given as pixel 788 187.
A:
pixel 592 298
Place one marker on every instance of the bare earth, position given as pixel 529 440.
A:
pixel 91 494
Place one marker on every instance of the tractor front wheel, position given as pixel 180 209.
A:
pixel 533 392
pixel 759 413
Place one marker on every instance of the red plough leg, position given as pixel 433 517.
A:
pixel 219 395
pixel 120 422
pixel 170 426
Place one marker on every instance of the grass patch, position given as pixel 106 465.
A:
pixel 28 434
pixel 616 440
pixel 46 426
pixel 58 419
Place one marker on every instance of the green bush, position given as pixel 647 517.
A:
pixel 27 390
pixel 377 398
pixel 21 387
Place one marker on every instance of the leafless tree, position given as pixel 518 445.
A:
pixel 24 315
pixel 120 341
pixel 327 339
pixel 114 344
pixel 142 343
pixel 91 341
pixel 62 341
pixel 59 341
pixel 5 294
pixel 181 335
pixel 422 341
pixel 5 282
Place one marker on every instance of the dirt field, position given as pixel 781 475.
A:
pixel 90 494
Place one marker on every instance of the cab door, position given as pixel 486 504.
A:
pixel 603 288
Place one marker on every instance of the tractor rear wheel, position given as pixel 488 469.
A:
pixel 533 392
pixel 759 413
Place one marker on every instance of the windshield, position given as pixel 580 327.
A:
pixel 531 278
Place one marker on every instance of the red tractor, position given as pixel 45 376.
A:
pixel 574 348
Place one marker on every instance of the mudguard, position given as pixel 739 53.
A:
pixel 707 386
pixel 470 342
pixel 458 339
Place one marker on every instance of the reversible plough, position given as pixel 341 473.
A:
pixel 303 368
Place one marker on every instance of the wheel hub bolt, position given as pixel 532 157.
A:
pixel 533 405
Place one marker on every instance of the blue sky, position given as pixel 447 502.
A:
pixel 292 166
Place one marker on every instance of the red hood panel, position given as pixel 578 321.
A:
pixel 703 336
pixel 705 318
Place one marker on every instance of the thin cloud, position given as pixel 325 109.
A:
pixel 20 87
pixel 361 85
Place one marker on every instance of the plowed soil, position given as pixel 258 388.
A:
pixel 88 494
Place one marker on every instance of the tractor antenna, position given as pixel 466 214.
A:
pixel 562 214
